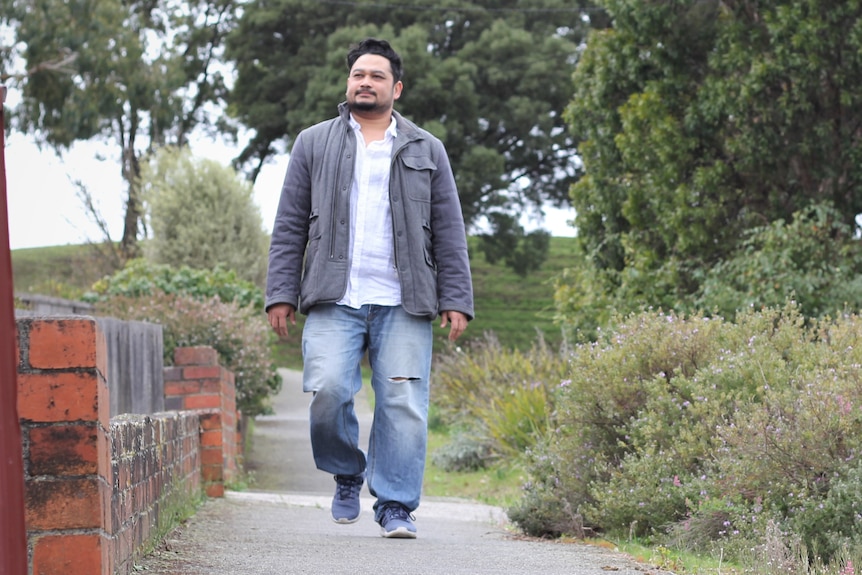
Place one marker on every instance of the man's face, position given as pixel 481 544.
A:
pixel 371 87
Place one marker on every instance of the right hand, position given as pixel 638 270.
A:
pixel 279 315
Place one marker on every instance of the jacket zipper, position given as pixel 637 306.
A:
pixel 334 220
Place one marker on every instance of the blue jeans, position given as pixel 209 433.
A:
pixel 334 340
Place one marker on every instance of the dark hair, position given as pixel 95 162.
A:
pixel 378 48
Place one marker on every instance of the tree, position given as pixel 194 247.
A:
pixel 138 72
pixel 202 215
pixel 697 121
pixel 489 78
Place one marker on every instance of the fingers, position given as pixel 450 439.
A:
pixel 457 322
pixel 279 316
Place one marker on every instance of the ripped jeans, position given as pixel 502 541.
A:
pixel 334 340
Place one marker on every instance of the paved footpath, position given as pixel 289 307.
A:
pixel 282 525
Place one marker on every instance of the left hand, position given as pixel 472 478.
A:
pixel 457 321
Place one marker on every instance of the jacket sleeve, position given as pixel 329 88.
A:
pixel 290 231
pixel 454 280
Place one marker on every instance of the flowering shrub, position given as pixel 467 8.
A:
pixel 707 433
pixel 239 334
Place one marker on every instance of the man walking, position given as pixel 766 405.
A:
pixel 369 242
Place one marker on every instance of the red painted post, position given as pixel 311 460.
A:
pixel 13 535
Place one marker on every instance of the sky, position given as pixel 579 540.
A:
pixel 44 209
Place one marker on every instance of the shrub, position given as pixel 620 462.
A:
pixel 240 335
pixel 141 277
pixel 500 394
pixel 715 433
pixel 202 215
pixel 465 451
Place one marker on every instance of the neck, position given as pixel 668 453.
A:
pixel 373 120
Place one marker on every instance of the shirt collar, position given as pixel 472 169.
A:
pixel 391 131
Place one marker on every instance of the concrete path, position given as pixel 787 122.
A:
pixel 282 525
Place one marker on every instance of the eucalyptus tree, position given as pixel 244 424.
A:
pixel 490 78
pixel 137 73
pixel 700 123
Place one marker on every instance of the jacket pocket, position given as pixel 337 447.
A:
pixel 417 176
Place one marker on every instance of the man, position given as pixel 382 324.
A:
pixel 369 243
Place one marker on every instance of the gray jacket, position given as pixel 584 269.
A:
pixel 309 253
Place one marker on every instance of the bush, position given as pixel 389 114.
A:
pixel 710 431
pixel 142 278
pixel 240 335
pixel 200 307
pixel 499 394
pixel 202 215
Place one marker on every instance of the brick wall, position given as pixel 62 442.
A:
pixel 197 381
pixel 156 475
pixel 99 490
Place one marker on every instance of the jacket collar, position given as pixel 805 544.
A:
pixel 407 131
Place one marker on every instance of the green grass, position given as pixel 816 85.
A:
pixel 61 271
pixel 498 485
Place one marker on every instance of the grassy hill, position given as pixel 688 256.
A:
pixel 512 307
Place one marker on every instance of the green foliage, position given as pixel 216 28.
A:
pixel 698 122
pixel 709 431
pixel 136 73
pixel 202 216
pixel 240 335
pixel 814 257
pixel 143 278
pixel 490 79
pixel 503 394
pixel 464 451
pixel 522 252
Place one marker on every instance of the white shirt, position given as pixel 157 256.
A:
pixel 373 278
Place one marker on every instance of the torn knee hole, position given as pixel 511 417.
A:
pixel 398 379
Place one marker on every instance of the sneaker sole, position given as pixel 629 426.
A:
pixel 345 520
pixel 398 533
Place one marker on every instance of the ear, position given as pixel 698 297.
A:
pixel 396 90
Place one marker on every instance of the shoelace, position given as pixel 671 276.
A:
pixel 396 512
pixel 347 487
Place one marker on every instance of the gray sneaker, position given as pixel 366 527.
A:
pixel 345 502
pixel 395 522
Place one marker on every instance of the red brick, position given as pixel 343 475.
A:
pixel 200 355
pixel 211 420
pixel 211 457
pixel 212 386
pixel 70 555
pixel 63 396
pixel 211 438
pixel 202 372
pixel 65 504
pixel 69 450
pixel 215 490
pixel 202 401
pixel 65 343
pixel 182 387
